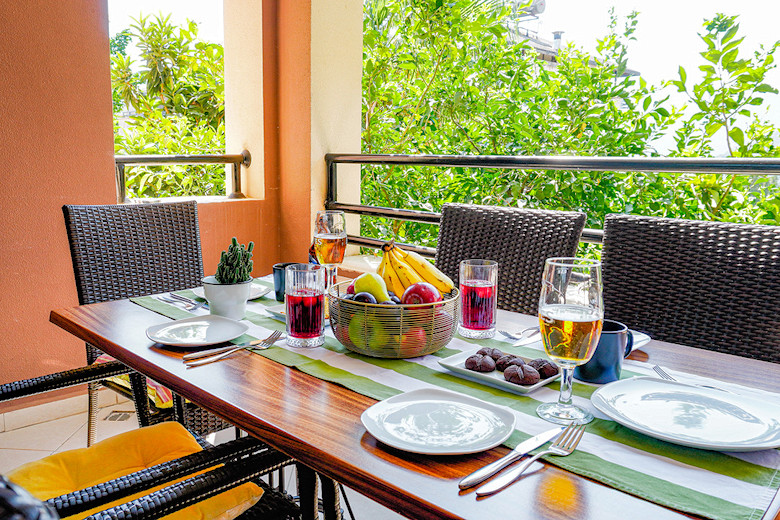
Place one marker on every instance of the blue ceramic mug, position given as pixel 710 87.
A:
pixel 605 365
pixel 279 280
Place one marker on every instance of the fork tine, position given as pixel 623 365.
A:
pixel 562 438
pixel 272 338
pixel 579 431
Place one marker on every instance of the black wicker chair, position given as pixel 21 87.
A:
pixel 122 251
pixel 710 285
pixel 520 240
pixel 245 459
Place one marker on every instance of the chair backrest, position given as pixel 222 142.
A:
pixel 127 250
pixel 710 285
pixel 520 240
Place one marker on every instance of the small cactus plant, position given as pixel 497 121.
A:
pixel 235 264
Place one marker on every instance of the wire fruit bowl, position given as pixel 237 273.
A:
pixel 392 331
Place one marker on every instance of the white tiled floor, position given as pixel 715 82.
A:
pixel 39 440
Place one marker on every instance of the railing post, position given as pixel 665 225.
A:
pixel 236 194
pixel 332 193
pixel 121 195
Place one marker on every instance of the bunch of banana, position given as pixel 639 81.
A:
pixel 400 269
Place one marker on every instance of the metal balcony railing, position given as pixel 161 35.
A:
pixel 237 160
pixel 738 166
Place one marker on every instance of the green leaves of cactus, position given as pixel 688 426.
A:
pixel 235 264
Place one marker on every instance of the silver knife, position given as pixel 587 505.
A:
pixel 523 448
pixel 214 351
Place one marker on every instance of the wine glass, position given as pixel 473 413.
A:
pixel 571 314
pixel 330 241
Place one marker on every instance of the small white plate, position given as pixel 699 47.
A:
pixel 640 339
pixel 198 331
pixel 255 291
pixel 691 415
pixel 457 364
pixel 438 422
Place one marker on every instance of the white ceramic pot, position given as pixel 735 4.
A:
pixel 227 299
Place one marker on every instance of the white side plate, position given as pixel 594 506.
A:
pixel 438 422
pixel 690 415
pixel 457 364
pixel 640 339
pixel 255 291
pixel 198 331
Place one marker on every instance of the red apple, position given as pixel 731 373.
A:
pixel 414 341
pixel 421 292
pixel 351 288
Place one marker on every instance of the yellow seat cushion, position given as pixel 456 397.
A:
pixel 123 454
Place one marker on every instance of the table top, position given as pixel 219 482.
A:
pixel 318 423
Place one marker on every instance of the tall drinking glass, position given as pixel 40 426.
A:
pixel 479 297
pixel 304 297
pixel 330 241
pixel 571 313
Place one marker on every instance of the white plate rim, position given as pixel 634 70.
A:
pixel 434 394
pixel 644 339
pixel 238 329
pixel 259 290
pixel 454 362
pixel 603 406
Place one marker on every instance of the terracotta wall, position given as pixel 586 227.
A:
pixel 56 147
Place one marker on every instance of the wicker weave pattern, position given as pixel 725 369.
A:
pixel 106 492
pixel 205 485
pixel 127 250
pixel 706 284
pixel 520 240
pixel 77 376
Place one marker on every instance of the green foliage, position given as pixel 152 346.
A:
pixel 177 95
pixel 449 78
pixel 235 264
pixel 727 100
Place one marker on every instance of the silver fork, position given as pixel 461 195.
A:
pixel 565 444
pixel 267 342
pixel 192 303
pixel 523 334
pixel 664 375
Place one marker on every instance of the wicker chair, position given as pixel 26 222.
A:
pixel 520 240
pixel 122 251
pixel 711 285
pixel 245 459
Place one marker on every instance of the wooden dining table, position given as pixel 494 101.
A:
pixel 318 423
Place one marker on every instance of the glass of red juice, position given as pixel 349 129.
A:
pixel 304 298
pixel 478 297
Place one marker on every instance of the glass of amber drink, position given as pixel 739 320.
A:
pixel 571 313
pixel 330 241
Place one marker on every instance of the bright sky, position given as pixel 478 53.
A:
pixel 666 36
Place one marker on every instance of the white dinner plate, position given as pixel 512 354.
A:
pixel 438 422
pixel 198 331
pixel 690 415
pixel 457 364
pixel 255 291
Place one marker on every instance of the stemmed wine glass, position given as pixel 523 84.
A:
pixel 330 241
pixel 571 313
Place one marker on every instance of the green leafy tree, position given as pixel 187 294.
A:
pixel 448 79
pixel 177 96
pixel 727 100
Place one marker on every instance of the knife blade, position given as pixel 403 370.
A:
pixel 523 448
pixel 214 351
